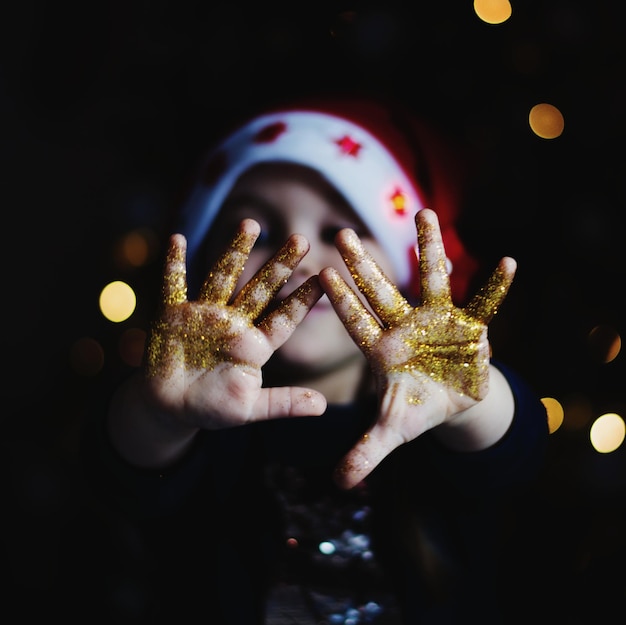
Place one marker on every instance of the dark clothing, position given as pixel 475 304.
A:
pixel 211 530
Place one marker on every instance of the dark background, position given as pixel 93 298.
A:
pixel 106 106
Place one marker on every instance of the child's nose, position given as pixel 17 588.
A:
pixel 311 264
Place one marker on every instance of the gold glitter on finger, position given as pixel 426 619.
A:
pixel 158 360
pixel 294 307
pixel 391 310
pixel 267 282
pixel 222 279
pixel 434 279
pixel 175 274
pixel 484 305
pixel 360 324
pixel 278 325
pixel 380 292
pixel 384 298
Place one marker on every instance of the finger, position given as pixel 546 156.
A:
pixel 434 279
pixel 222 279
pixel 484 305
pixel 362 459
pixel 258 292
pixel 377 443
pixel 175 273
pixel 359 322
pixel 288 401
pixel 280 323
pixel 380 292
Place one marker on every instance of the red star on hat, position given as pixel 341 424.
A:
pixel 349 146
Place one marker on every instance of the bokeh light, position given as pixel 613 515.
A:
pixel 604 343
pixel 546 121
pixel 117 301
pixel 131 346
pixel 607 433
pixel 493 11
pixel 578 411
pixel 554 412
pixel 136 248
pixel 86 356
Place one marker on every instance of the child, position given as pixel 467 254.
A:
pixel 318 434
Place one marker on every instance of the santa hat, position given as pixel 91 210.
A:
pixel 362 163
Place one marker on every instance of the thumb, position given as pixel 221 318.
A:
pixel 363 458
pixel 288 401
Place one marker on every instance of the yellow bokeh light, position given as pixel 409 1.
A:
pixel 117 301
pixel 493 11
pixel 546 121
pixel 607 433
pixel 555 413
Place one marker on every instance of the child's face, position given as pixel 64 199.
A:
pixel 287 199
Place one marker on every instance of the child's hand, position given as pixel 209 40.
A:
pixel 204 357
pixel 430 362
